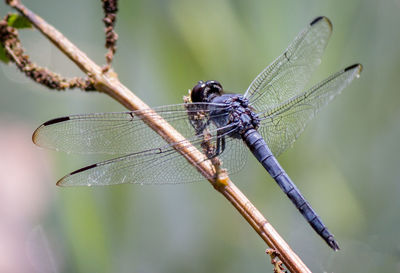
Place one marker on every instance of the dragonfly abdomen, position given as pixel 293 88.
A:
pixel 260 149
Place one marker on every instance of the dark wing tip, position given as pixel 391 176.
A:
pixel 35 134
pixel 319 18
pixel 61 182
pixel 359 66
pixel 55 120
pixel 316 20
pixel 83 169
pixel 47 123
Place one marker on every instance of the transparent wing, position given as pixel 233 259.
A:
pixel 119 133
pixel 281 125
pixel 234 157
pixel 156 166
pixel 290 72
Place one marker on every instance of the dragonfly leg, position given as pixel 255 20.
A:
pixel 219 149
pixel 220 145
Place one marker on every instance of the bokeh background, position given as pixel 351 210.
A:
pixel 346 162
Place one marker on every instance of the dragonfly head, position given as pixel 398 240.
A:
pixel 206 91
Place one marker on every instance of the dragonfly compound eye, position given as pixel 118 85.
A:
pixel 206 91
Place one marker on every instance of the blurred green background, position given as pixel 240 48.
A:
pixel 346 162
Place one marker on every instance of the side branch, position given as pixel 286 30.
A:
pixel 14 51
pixel 109 84
pixel 110 8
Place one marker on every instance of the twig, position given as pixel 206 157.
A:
pixel 16 53
pixel 109 84
pixel 110 8
pixel 278 268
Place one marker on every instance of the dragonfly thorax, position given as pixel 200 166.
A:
pixel 240 113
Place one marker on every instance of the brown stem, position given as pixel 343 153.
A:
pixel 110 8
pixel 9 39
pixel 109 84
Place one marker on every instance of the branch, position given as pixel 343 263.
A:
pixel 11 46
pixel 107 82
pixel 110 8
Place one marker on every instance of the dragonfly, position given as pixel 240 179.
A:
pixel 267 119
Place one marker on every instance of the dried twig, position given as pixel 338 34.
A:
pixel 278 267
pixel 110 10
pixel 109 84
pixel 15 52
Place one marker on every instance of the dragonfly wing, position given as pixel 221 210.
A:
pixel 235 155
pixel 164 166
pixel 157 166
pixel 290 72
pixel 117 133
pixel 281 125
